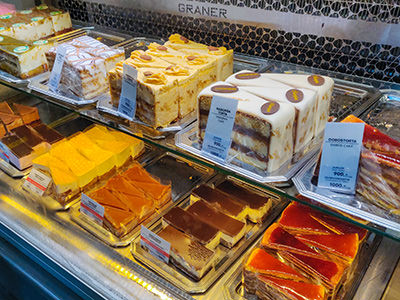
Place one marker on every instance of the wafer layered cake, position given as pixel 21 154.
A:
pixel 303 261
pixel 262 133
pixel 191 67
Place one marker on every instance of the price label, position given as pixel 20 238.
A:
pixel 127 100
pixel 92 209
pixel 55 74
pixel 37 182
pixel 341 156
pixel 217 139
pixel 4 152
pixel 156 246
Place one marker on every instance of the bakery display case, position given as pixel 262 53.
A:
pixel 92 193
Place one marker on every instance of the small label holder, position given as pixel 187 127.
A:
pixel 217 139
pixel 4 152
pixel 127 100
pixel 55 74
pixel 156 246
pixel 37 182
pixel 340 157
pixel 92 209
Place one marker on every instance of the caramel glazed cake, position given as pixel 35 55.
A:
pixel 277 115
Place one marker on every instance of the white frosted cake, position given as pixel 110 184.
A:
pixel 303 100
pixel 322 85
pixel 249 78
pixel 263 130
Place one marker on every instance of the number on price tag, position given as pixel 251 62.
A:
pixel 127 100
pixel 217 139
pixel 156 246
pixel 92 209
pixel 341 156
pixel 55 74
pixel 37 182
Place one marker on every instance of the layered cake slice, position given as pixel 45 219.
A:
pixel 221 201
pixel 246 78
pixel 18 152
pixel 104 160
pixel 119 221
pixel 31 138
pixel 2 130
pixel 179 42
pixel 111 56
pixel 105 197
pixel 262 133
pixel 189 255
pixel 136 145
pixel 342 247
pixel 21 59
pixel 305 104
pixel 65 183
pixel 50 135
pixel 257 206
pixel 11 121
pixel 186 222
pixel 297 219
pixel 27 113
pixel 322 85
pixel 279 239
pixel 138 176
pixel 5 108
pixel 231 229
pixel 276 288
pixel 61 20
pixel 34 25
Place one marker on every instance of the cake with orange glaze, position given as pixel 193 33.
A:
pixel 296 218
pixel 119 221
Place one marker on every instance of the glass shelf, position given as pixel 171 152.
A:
pixel 167 143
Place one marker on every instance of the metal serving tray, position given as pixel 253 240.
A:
pixel 354 205
pixel 385 114
pixel 226 256
pixel 187 140
pixel 12 79
pixel 234 290
pixel 183 179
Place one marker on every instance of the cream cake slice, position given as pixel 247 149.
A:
pixel 262 134
pixel 179 42
pixel 303 100
pixel 34 25
pixel 248 78
pixel 322 85
pixel 61 20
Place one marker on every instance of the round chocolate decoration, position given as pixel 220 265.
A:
pixel 191 57
pixel 212 48
pixel 270 108
pixel 145 57
pixel 148 73
pixel 184 39
pixel 162 48
pixel 225 89
pixel 316 80
pixel 247 75
pixel 294 95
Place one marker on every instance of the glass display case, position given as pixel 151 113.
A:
pixel 62 209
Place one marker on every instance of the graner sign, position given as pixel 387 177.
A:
pixel 201 10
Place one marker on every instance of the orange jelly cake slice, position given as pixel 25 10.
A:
pixel 280 288
pixel 119 221
pixel 296 218
pixel 343 246
pixel 106 198
pixel 279 239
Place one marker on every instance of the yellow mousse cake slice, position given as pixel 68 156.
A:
pixel 65 183
pixel 136 145
pixel 81 167
pixel 104 160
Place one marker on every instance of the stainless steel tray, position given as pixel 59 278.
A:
pixel 187 140
pixel 234 290
pixel 182 181
pixel 226 256
pixel 39 84
pixel 354 205
pixel 12 79
pixel 385 114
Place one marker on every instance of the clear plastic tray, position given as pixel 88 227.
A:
pixel 12 171
pixel 12 79
pixel 187 140
pixel 234 290
pixel 39 84
pixel 385 114
pixel 225 255
pixel 354 205
pixel 182 181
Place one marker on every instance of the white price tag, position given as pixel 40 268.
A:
pixel 156 246
pixel 217 139
pixel 92 209
pixel 55 74
pixel 127 100
pixel 4 152
pixel 37 182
